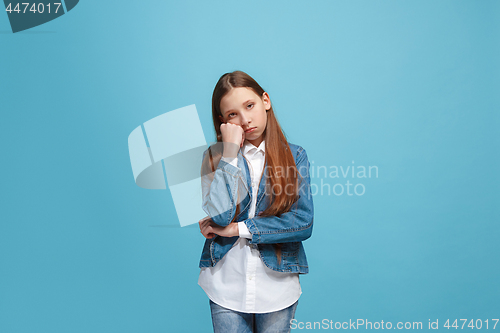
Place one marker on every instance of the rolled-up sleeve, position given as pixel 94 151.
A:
pixel 221 191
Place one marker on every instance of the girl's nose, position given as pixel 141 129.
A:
pixel 244 121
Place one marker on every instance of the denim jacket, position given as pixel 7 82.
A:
pixel 291 228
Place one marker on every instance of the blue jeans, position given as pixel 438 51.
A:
pixel 228 321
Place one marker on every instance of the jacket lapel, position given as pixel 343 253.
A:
pixel 262 186
pixel 242 164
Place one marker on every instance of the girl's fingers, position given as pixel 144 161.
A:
pixel 207 231
pixel 202 226
pixel 203 222
pixel 206 227
pixel 204 233
pixel 209 235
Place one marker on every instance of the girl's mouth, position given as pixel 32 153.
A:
pixel 250 130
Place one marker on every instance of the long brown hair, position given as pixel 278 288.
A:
pixel 277 151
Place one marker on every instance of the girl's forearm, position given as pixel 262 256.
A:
pixel 231 230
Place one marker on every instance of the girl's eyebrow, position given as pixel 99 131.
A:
pixel 245 102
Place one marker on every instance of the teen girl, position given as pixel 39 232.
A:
pixel 256 192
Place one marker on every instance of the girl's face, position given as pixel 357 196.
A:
pixel 242 106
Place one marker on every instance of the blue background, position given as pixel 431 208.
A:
pixel 411 87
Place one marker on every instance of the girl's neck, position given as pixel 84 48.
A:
pixel 256 142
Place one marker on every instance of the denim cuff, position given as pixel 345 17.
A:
pixel 228 167
pixel 252 228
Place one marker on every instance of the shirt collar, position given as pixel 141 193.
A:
pixel 248 147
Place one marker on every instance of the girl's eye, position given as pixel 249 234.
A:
pixel 251 104
pixel 229 115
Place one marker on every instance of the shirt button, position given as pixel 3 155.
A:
pixel 250 278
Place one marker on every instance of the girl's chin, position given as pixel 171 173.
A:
pixel 251 136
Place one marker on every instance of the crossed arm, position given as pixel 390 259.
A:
pixel 294 225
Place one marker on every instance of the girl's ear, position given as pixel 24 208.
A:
pixel 221 120
pixel 266 100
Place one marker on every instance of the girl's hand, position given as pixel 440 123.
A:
pixel 203 228
pixel 232 134
pixel 209 229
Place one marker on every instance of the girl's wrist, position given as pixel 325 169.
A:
pixel 230 150
pixel 236 229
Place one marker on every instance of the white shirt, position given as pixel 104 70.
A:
pixel 240 281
